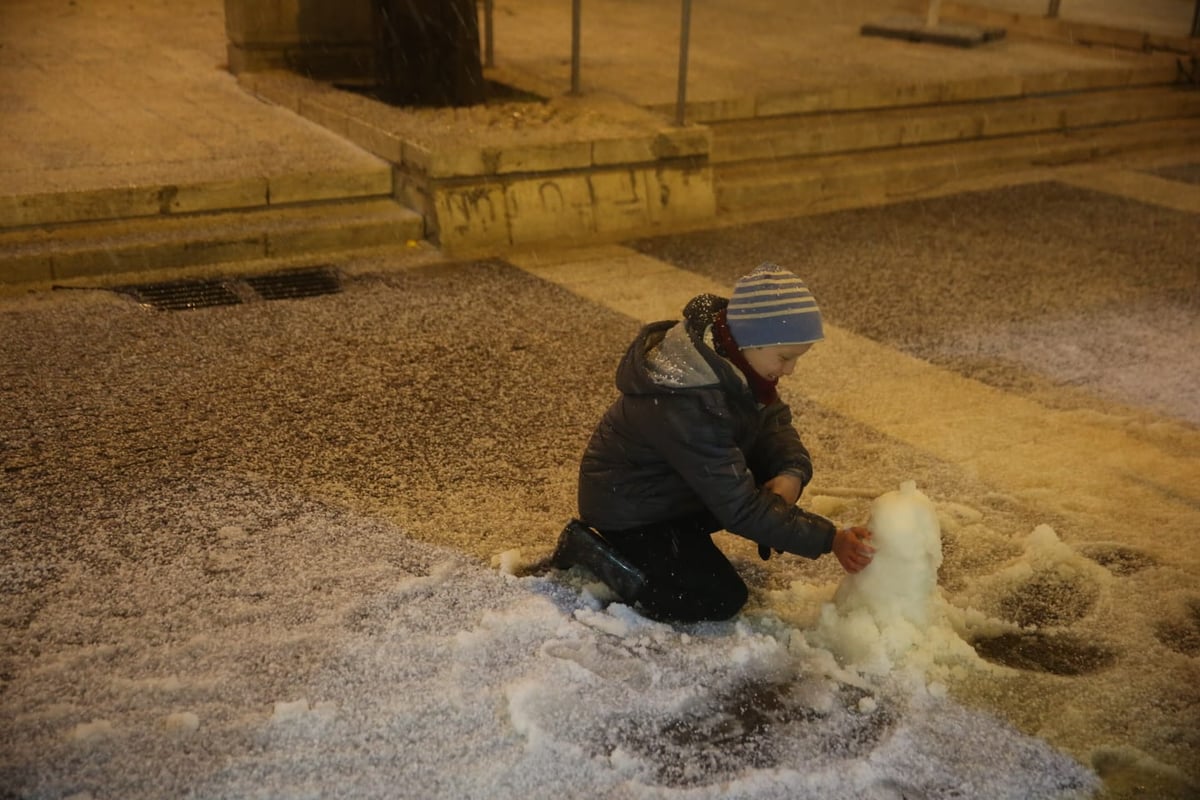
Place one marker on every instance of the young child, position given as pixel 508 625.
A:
pixel 697 442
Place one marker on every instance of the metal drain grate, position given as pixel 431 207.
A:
pixel 191 294
pixel 294 283
pixel 183 295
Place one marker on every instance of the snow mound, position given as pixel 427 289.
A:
pixel 891 614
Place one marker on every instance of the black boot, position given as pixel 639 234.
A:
pixel 579 545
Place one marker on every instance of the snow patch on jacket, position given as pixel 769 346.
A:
pixel 674 362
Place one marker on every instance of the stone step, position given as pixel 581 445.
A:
pixel 120 246
pixel 867 95
pixel 817 183
pixel 240 184
pixel 821 134
pixel 1165 30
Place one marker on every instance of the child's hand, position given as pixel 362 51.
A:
pixel 851 548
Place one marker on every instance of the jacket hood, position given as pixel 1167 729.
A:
pixel 668 357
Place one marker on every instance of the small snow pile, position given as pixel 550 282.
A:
pixel 296 710
pixel 182 722
pixel 91 731
pixel 891 614
pixel 1047 585
pixel 510 562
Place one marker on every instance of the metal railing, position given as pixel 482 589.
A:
pixel 685 34
pixel 685 25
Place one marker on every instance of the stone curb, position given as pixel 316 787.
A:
pixel 162 200
pixel 885 96
pixel 848 131
pixel 90 249
pixel 818 183
pixel 1061 30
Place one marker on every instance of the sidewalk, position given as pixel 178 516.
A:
pixel 108 94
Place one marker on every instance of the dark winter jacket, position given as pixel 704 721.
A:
pixel 686 435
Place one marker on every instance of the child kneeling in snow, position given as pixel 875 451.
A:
pixel 699 441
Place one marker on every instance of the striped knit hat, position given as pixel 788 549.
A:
pixel 771 306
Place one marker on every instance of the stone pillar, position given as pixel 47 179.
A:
pixel 325 39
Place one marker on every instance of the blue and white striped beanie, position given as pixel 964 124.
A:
pixel 771 306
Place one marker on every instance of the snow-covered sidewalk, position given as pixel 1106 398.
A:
pixel 248 551
pixel 270 658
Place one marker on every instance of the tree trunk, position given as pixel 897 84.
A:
pixel 427 52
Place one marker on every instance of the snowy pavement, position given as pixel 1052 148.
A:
pixel 273 659
pixel 267 549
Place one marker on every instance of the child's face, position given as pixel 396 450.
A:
pixel 775 361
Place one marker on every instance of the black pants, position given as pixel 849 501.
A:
pixel 688 578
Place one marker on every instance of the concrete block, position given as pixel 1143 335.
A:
pixel 215 196
pixel 549 157
pixel 683 195
pixel 302 187
pixel 278 86
pixel 849 98
pixel 632 150
pixel 923 130
pixel 327 115
pixel 139 257
pixel 984 88
pixel 468 217
pixel 1022 119
pixel 541 209
pixel 412 192
pixel 621 201
pixel 700 111
pixel 344 235
pixel 376 140
pixel 892 95
pixel 26 269
pixel 1121 76
pixel 1048 83
pixel 914 28
pixel 447 163
pixel 791 103
pixel 57 207
pixel 693 140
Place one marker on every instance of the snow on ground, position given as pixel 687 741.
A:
pixel 271 660
pixel 245 554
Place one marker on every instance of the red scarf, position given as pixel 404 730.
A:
pixel 764 390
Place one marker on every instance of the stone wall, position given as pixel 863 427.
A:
pixel 323 39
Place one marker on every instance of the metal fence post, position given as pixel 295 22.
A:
pixel 685 26
pixel 576 13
